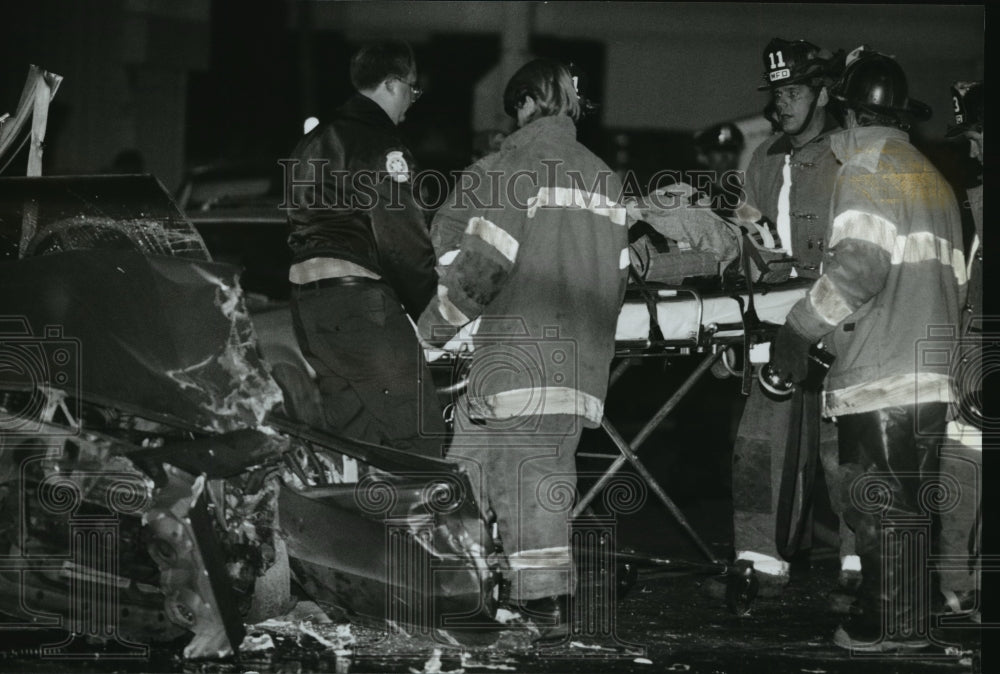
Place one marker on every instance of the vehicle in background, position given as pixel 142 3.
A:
pixel 227 185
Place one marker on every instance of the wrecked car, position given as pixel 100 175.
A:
pixel 153 480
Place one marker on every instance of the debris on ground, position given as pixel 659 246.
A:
pixel 591 647
pixel 257 643
pixel 331 636
pixel 433 666
pixel 504 616
pixel 468 662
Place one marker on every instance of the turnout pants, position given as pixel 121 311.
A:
pixel 890 458
pixel 373 380
pixel 758 458
pixel 961 525
pixel 525 469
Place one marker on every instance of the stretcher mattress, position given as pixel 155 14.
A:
pixel 679 312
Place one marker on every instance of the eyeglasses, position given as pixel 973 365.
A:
pixel 414 89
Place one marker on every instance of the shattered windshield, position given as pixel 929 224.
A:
pixel 59 213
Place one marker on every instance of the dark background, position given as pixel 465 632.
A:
pixel 185 83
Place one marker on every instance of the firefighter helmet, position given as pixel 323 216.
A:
pixel 725 137
pixel 798 62
pixel 875 83
pixel 967 99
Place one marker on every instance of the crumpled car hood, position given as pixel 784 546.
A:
pixel 165 337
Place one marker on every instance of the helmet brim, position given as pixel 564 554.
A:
pixel 956 131
pixel 916 110
pixel 811 80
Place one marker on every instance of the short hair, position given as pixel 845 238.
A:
pixel 376 62
pixel 549 83
pixel 868 117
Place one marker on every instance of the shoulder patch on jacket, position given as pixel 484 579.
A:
pixel 396 166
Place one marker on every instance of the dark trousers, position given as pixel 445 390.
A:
pixel 961 525
pixel 890 457
pixel 373 380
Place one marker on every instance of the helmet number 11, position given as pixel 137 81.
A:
pixel 778 62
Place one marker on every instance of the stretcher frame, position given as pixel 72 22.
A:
pixel 714 341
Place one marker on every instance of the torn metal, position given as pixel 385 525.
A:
pixel 133 398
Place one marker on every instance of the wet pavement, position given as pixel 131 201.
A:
pixel 667 621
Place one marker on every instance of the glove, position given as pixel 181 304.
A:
pixel 633 211
pixel 790 354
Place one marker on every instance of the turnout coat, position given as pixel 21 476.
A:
pixel 533 246
pixel 887 303
pixel 811 170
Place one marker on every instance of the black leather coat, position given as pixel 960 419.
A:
pixel 350 197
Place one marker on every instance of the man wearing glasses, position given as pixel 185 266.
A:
pixel 362 260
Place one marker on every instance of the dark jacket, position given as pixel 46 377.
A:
pixel 365 211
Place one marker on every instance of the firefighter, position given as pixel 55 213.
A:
pixel 961 526
pixel 363 262
pixel 893 272
pixel 789 181
pixel 532 245
pixel 718 150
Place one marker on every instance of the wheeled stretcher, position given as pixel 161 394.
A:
pixel 661 321
pixel 664 321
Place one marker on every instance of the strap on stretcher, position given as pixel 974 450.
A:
pixel 750 320
pixel 655 332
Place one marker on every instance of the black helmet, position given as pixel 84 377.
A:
pixel 875 83
pixel 798 62
pixel 968 99
pixel 725 137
